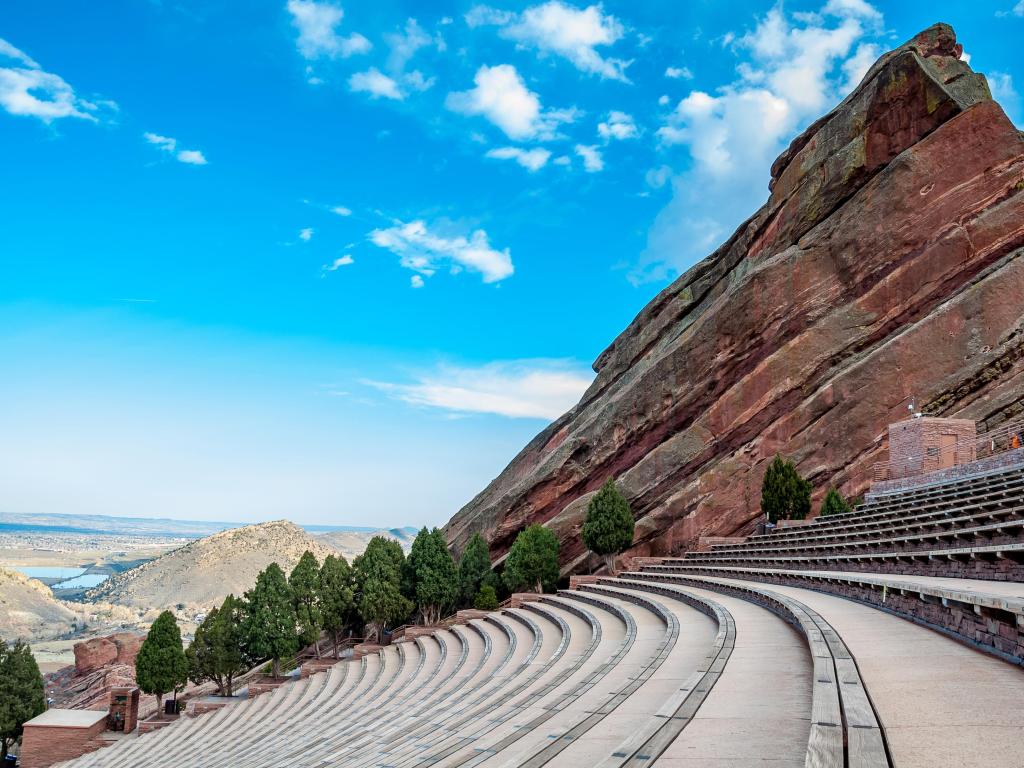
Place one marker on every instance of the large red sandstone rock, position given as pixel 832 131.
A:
pixel 119 648
pixel 887 263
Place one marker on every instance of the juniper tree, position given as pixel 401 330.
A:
pixel 532 562
pixel 379 578
pixel 474 568
pixel 834 504
pixel 337 597
pixel 486 599
pixel 784 494
pixel 161 666
pixel 304 582
pixel 269 626
pixel 217 652
pixel 433 575
pixel 22 693
pixel 608 528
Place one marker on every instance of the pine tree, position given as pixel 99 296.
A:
pixel 337 597
pixel 532 562
pixel 433 574
pixel 305 585
pixel 22 693
pixel 608 528
pixel 270 621
pixel 379 582
pixel 784 494
pixel 834 504
pixel 161 666
pixel 474 568
pixel 486 599
pixel 216 652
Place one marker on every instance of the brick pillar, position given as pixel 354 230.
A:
pixel 124 707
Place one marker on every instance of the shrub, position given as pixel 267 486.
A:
pixel 608 528
pixel 784 494
pixel 22 694
pixel 486 599
pixel 532 562
pixel 474 568
pixel 834 504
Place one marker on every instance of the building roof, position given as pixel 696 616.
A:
pixel 68 718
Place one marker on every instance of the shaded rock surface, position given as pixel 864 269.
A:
pixel 887 263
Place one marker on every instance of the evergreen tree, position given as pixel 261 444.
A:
pixel 269 627
pixel 784 494
pixel 474 568
pixel 305 585
pixel 532 563
pixel 834 504
pixel 217 652
pixel 161 666
pixel 379 582
pixel 337 597
pixel 22 694
pixel 608 528
pixel 486 599
pixel 432 572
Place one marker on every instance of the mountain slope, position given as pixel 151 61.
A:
pixel 887 263
pixel 353 543
pixel 28 608
pixel 204 571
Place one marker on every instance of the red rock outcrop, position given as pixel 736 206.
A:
pixel 119 648
pixel 887 263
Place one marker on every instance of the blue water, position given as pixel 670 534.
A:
pixel 49 572
pixel 73 578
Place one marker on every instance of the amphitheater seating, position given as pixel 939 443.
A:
pixel 850 641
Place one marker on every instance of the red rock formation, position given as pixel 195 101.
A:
pixel 119 648
pixel 887 262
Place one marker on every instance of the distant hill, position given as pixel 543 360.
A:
pixel 28 608
pixel 204 571
pixel 352 542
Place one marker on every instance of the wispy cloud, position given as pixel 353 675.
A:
pixel 593 162
pixel 619 126
pixel 306 234
pixel 425 251
pixel 341 210
pixel 338 263
pixel 26 89
pixel 170 146
pixel 531 389
pixel 375 83
pixel 317 24
pixel 531 159
pixel 679 73
pixel 501 96
pixel 558 28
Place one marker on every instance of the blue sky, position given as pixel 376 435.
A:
pixel 338 262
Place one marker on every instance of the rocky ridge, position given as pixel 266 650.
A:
pixel 203 572
pixel 28 609
pixel 886 264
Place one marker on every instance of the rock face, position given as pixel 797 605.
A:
pixel 119 648
pixel 887 263
pixel 202 573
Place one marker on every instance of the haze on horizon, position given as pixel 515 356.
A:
pixel 338 263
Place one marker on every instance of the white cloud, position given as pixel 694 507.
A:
pixel 375 83
pixel 1003 91
pixel 170 146
pixel 1018 9
pixel 561 29
pixel 405 44
pixel 656 178
pixel 526 389
pixel 27 90
pixel 663 100
pixel 792 71
pixel 592 160
pixel 679 73
pixel 416 282
pixel 424 251
pixel 502 97
pixel 619 126
pixel 531 159
pixel 562 160
pixel 338 263
pixel 318 36
pixel 306 234
pixel 341 210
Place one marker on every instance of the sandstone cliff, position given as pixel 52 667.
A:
pixel 202 573
pixel 887 263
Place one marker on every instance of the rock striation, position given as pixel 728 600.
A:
pixel 886 264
